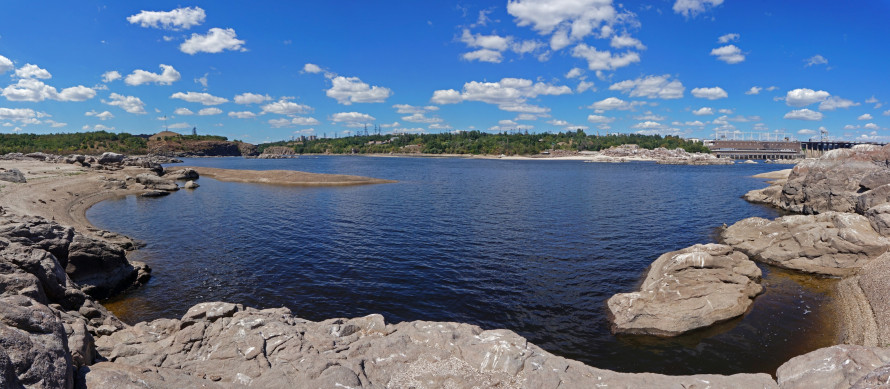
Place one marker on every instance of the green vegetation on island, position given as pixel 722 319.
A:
pixel 477 142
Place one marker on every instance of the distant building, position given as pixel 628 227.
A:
pixel 694 140
pixel 752 149
pixel 165 134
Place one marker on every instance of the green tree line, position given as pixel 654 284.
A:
pixel 477 142
pixel 73 143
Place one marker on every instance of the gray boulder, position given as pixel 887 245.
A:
pixel 191 185
pixel 879 217
pixel 686 290
pixel 153 182
pixel 108 157
pixel 232 346
pixel 34 342
pixel 831 243
pixel 182 174
pixel 100 268
pixel 841 366
pixel 12 175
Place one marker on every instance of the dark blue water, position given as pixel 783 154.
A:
pixel 532 246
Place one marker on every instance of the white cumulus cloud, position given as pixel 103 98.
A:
pixel 865 116
pixel 284 107
pixel 755 90
pixel 728 38
pixel 183 111
pixel 199 97
pixel 5 65
pixel 180 18
pixel 729 54
pixel 352 119
pixel 311 68
pixel 251 98
pixel 703 111
pixel 29 89
pixel 242 115
pixel 509 94
pixel 710 93
pixel 614 103
pixel 216 41
pixel 604 60
pixel 651 87
pixel 692 8
pixel 167 76
pixel 105 115
pixel 804 114
pixel 816 60
pixel 131 104
pixel 348 90
pixel 210 111
pixel 802 97
pixel 111 75
pixel 32 71
pixel 834 102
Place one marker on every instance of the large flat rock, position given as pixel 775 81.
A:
pixel 841 366
pixel 687 289
pixel 831 243
pixel 229 345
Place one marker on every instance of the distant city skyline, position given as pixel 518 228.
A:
pixel 264 71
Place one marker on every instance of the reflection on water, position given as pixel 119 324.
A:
pixel 532 246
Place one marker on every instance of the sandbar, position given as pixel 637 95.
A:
pixel 283 177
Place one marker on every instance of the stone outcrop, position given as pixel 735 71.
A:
pixel 841 366
pixel 830 243
pixel 191 185
pixel 181 174
pixel 12 175
pixel 153 182
pixel 661 155
pixel 844 180
pixel 687 289
pixel 227 345
pixel 108 158
pixel 47 322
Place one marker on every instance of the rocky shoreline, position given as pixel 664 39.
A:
pixel 54 333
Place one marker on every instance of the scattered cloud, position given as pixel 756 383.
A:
pixel 755 90
pixel 210 111
pixel 131 104
pixel 29 89
pixel 834 102
pixel 177 19
pixel 311 68
pixel 622 41
pixel 109 76
pixel 604 60
pixel 297 121
pixel 865 116
pixel 216 41
pixel 242 115
pixel 691 8
pixel 568 21
pixel 728 38
pixel 703 111
pixel 509 94
pixel 32 71
pixel 284 107
pixel 105 115
pixel 167 76
pixel 575 72
pixel 199 97
pixel 816 60
pixel 348 90
pixel 251 98
pixel 183 111
pixel 729 54
pixel 5 65
pixel 804 114
pixel 614 103
pixel 600 119
pixel 710 93
pixel 352 119
pixel 807 132
pixel 406 108
pixel 651 87
pixel 802 97
pixel 871 126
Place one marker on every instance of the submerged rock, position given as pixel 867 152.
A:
pixel 182 174
pixel 153 182
pixel 686 290
pixel 831 243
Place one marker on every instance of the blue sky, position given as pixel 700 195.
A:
pixel 264 71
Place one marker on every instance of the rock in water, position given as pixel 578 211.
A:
pixel 182 174
pixel 191 185
pixel 831 243
pixel 12 175
pixel 153 182
pixel 688 289
pixel 101 269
